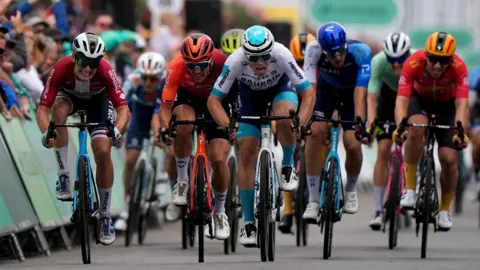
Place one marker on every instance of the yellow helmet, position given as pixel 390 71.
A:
pixel 232 40
pixel 441 44
pixel 298 44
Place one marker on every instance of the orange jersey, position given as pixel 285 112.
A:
pixel 178 75
pixel 452 84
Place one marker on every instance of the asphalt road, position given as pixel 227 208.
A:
pixel 355 247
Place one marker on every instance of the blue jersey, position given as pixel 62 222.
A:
pixel 474 83
pixel 136 92
pixel 354 73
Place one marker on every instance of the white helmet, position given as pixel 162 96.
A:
pixel 257 40
pixel 396 44
pixel 89 44
pixel 151 63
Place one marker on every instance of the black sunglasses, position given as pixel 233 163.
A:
pixel 151 78
pixel 200 65
pixel 83 61
pixel 442 60
pixel 333 53
pixel 257 58
pixel 400 60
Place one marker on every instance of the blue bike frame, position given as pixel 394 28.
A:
pixel 82 138
pixel 333 154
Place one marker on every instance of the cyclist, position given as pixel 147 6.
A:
pixel 85 81
pixel 382 91
pixel 190 78
pixel 143 87
pixel 344 74
pixel 231 40
pixel 433 81
pixel 298 44
pixel 474 82
pixel 267 72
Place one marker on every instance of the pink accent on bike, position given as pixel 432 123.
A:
pixel 396 153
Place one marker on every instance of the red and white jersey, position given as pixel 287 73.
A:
pixel 62 77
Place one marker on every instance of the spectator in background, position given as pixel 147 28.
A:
pixel 7 93
pixel 57 14
pixel 163 37
pixel 99 22
pixel 51 56
pixel 59 39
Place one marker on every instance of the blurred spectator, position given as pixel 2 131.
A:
pixel 164 39
pixel 38 24
pixel 51 56
pixel 59 39
pixel 56 15
pixel 99 22
pixel 7 93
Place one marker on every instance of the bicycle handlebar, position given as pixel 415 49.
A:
pixel 52 126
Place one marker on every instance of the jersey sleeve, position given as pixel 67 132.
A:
pixel 474 80
pixel 172 82
pixel 52 85
pixel 375 78
pixel 405 83
pixel 230 71
pixel 363 58
pixel 129 86
pixel 158 101
pixel 461 78
pixel 293 71
pixel 112 83
pixel 313 52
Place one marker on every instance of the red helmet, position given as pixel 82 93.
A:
pixel 197 48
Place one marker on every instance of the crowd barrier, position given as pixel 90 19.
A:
pixel 27 185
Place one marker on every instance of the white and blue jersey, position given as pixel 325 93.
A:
pixel 338 84
pixel 282 81
pixel 142 106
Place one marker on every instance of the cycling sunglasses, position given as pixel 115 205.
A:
pixel 400 60
pixel 199 65
pixel 151 78
pixel 83 61
pixel 333 53
pixel 442 60
pixel 258 58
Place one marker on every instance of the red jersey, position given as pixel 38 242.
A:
pixel 63 78
pixel 178 75
pixel 452 84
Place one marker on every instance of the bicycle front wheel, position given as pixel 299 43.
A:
pixel 427 180
pixel 200 207
pixel 392 203
pixel 263 206
pixel 135 202
pixel 83 210
pixel 231 209
pixel 329 207
pixel 301 199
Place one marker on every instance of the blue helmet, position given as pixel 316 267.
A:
pixel 332 36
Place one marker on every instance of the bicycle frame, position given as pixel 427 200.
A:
pixel 397 153
pixel 82 138
pixel 146 154
pixel 266 144
pixel 200 152
pixel 333 154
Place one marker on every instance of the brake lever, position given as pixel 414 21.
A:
pixel 50 132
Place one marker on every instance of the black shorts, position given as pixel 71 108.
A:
pixel 444 112
pixel 328 96
pixel 99 109
pixel 386 112
pixel 199 105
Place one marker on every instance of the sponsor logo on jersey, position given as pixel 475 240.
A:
pixel 47 86
pixel 225 73
pixel 333 71
pixel 295 70
pixel 261 82
pixel 414 63
pixel 402 80
pixel 115 81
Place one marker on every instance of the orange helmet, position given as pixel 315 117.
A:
pixel 298 44
pixel 441 44
pixel 197 48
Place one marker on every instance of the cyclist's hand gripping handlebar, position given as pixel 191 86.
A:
pixel 460 139
pixel 361 133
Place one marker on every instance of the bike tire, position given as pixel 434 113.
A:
pixel 84 209
pixel 393 203
pixel 426 205
pixel 329 209
pixel 201 206
pixel 231 209
pixel 134 203
pixel 185 231
pixel 263 208
pixel 301 204
pixel 143 220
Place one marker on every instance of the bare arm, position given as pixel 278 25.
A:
pixel 215 107
pixel 165 114
pixel 401 107
pixel 43 119
pixel 461 105
pixel 372 108
pixel 309 97
pixel 360 99
pixel 123 117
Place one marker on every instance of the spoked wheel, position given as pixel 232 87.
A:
pixel 231 209
pixel 263 207
pixel 134 205
pixel 83 210
pixel 329 209
pixel 301 199
pixel 426 205
pixel 201 206
pixel 392 204
pixel 185 228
